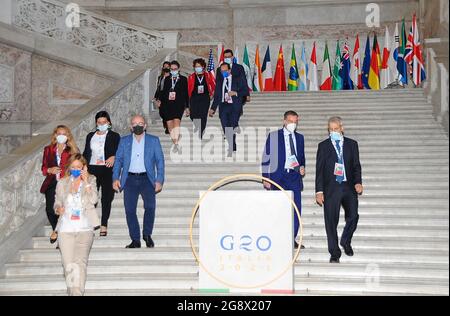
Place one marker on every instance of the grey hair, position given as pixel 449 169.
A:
pixel 138 115
pixel 335 119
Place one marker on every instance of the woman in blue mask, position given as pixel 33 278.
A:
pixel 100 151
pixel 201 90
pixel 75 201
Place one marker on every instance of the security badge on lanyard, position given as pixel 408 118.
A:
pixel 172 93
pixel 292 162
pixel 201 87
pixel 227 97
pixel 339 167
pixel 75 205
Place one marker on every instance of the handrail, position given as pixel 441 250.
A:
pixel 20 174
pixel 104 35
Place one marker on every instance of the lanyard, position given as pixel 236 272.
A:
pixel 341 152
pixel 174 83
pixel 58 155
pixel 200 81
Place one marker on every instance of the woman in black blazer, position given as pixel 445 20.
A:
pixel 165 72
pixel 100 151
pixel 175 101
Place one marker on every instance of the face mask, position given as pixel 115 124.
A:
pixel 199 70
pixel 174 73
pixel 225 74
pixel 103 128
pixel 61 139
pixel 335 136
pixel 228 60
pixel 138 130
pixel 75 173
pixel 292 127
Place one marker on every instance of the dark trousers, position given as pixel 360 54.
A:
pixel 104 181
pixel 50 203
pixel 229 117
pixel 291 182
pixel 139 185
pixel 342 194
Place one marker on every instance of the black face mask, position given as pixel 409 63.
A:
pixel 138 130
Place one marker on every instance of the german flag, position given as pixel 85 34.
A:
pixel 375 65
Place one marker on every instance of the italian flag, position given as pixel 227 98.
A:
pixel 246 64
pixel 326 71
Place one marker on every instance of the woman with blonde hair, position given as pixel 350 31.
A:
pixel 76 196
pixel 56 155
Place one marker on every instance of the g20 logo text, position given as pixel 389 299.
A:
pixel 246 243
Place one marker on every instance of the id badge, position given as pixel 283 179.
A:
pixel 292 162
pixel 75 215
pixel 228 99
pixel 172 96
pixel 201 89
pixel 339 169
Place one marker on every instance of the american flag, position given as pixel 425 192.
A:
pixel 212 68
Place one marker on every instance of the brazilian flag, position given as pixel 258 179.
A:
pixel 293 72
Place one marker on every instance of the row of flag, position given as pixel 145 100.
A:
pixel 401 57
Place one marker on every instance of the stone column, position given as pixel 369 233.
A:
pixel 6 11
pixel 171 39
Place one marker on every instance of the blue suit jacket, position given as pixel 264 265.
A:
pixel 274 156
pixel 238 84
pixel 153 159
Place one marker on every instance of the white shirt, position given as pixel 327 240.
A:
pixel 228 80
pixel 98 149
pixel 137 164
pixel 341 144
pixel 287 145
pixel 74 219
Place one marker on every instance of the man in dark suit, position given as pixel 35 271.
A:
pixel 228 97
pixel 284 162
pixel 338 182
pixel 237 70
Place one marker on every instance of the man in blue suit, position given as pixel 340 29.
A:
pixel 137 158
pixel 229 95
pixel 284 162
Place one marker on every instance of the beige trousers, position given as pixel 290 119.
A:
pixel 75 249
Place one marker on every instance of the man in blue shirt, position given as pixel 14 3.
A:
pixel 139 170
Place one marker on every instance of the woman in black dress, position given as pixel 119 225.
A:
pixel 175 102
pixel 201 91
pixel 165 72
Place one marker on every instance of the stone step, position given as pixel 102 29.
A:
pixel 373 200
pixel 397 213
pixel 364 229
pixel 312 254
pixel 360 242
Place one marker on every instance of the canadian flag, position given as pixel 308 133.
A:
pixel 355 71
pixel 312 74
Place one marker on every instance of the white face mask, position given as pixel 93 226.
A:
pixel 291 127
pixel 61 139
pixel 228 60
pixel 103 128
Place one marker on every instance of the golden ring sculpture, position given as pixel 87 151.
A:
pixel 221 183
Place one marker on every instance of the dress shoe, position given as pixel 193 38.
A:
pixel 348 250
pixel 334 260
pixel 296 245
pixel 149 242
pixel 134 244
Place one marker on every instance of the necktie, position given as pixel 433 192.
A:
pixel 339 179
pixel 293 152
